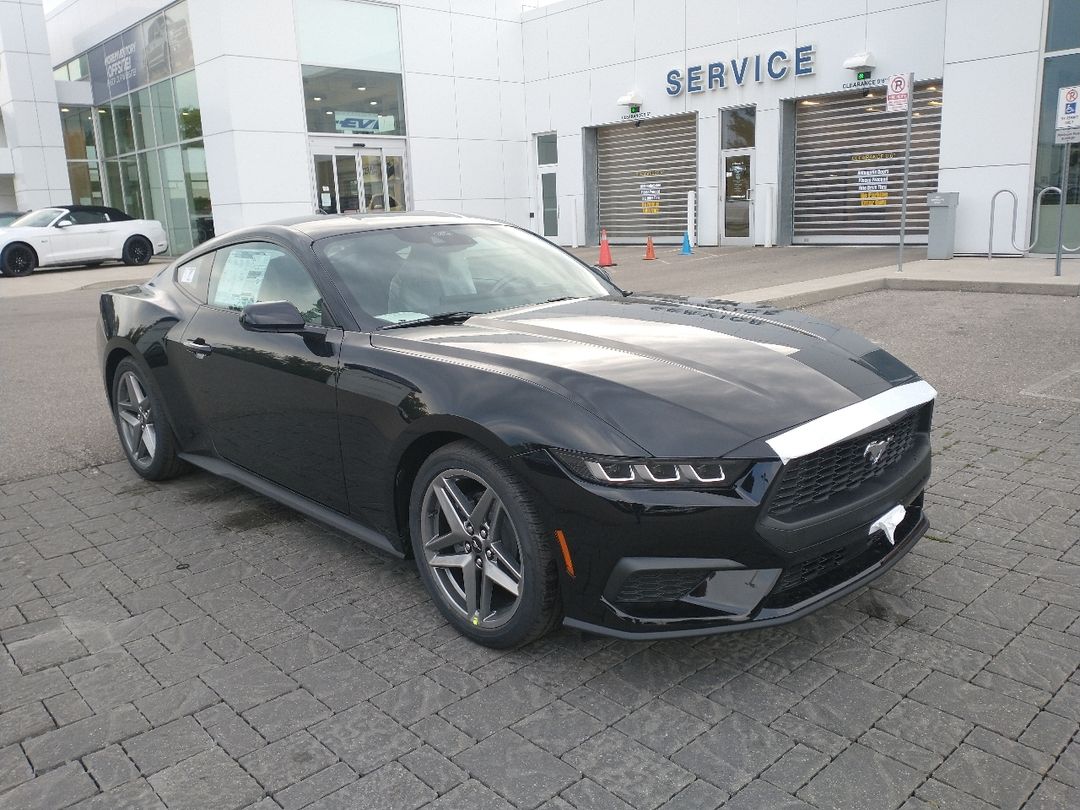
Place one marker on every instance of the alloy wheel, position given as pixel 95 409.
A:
pixel 472 548
pixel 139 252
pixel 137 427
pixel 20 261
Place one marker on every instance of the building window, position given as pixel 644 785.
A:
pixel 140 147
pixel 737 131
pixel 77 70
pixel 547 149
pixel 1061 68
pixel 1063 25
pixel 547 159
pixel 345 33
pixel 353 102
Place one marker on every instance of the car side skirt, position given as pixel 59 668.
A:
pixel 292 500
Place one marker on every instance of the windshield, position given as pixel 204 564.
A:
pixel 38 219
pixel 408 274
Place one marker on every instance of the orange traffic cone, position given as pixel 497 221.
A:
pixel 605 251
pixel 650 251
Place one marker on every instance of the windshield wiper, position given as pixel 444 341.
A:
pixel 441 319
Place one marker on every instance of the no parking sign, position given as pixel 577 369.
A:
pixel 897 93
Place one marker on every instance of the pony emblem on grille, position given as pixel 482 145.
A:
pixel 875 450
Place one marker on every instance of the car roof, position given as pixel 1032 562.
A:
pixel 319 226
pixel 312 227
pixel 114 213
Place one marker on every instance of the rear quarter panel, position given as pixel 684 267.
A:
pixel 136 322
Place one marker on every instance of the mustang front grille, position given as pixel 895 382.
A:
pixel 818 477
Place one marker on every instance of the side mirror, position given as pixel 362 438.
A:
pixel 272 316
pixel 64 223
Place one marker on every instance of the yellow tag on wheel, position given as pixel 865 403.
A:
pixel 476 620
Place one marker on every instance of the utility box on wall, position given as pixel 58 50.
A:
pixel 942 236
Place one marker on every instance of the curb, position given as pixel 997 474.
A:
pixel 843 289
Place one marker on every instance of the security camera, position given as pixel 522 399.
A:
pixel 860 61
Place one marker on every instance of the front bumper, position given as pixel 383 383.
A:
pixel 761 615
pixel 665 564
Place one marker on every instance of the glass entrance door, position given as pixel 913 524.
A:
pixel 359 179
pixel 549 205
pixel 738 195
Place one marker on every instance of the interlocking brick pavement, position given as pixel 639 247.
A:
pixel 192 644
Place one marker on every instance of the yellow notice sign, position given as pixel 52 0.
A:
pixel 650 206
pixel 874 198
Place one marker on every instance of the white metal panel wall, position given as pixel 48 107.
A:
pixel 645 169
pixel 849 167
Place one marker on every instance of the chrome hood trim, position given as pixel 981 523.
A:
pixel 834 427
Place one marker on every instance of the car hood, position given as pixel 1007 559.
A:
pixel 678 376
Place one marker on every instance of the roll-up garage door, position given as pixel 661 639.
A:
pixel 644 171
pixel 849 167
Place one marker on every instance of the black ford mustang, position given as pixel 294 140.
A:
pixel 547 446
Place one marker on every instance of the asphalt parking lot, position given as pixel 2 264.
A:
pixel 192 644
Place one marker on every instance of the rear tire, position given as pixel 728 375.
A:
pixel 145 434
pixel 18 260
pixel 138 251
pixel 477 538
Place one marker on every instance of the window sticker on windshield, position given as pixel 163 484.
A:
pixel 242 276
pixel 187 274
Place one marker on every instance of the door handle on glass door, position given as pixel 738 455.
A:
pixel 198 347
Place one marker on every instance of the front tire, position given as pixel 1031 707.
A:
pixel 145 434
pixel 18 260
pixel 137 251
pixel 481 548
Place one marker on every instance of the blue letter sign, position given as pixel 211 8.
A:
pixel 777 65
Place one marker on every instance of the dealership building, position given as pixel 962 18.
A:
pixel 742 121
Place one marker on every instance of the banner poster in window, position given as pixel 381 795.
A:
pixel 115 66
pixel 357 123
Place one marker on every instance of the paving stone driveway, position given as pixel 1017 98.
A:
pixel 193 645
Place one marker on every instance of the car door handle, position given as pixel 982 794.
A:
pixel 198 347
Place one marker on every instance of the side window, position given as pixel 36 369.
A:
pixel 194 277
pixel 257 271
pixel 88 217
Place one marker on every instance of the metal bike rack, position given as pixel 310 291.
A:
pixel 1016 206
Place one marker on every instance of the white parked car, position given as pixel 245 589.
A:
pixel 78 234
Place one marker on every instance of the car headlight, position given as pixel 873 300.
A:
pixel 688 473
